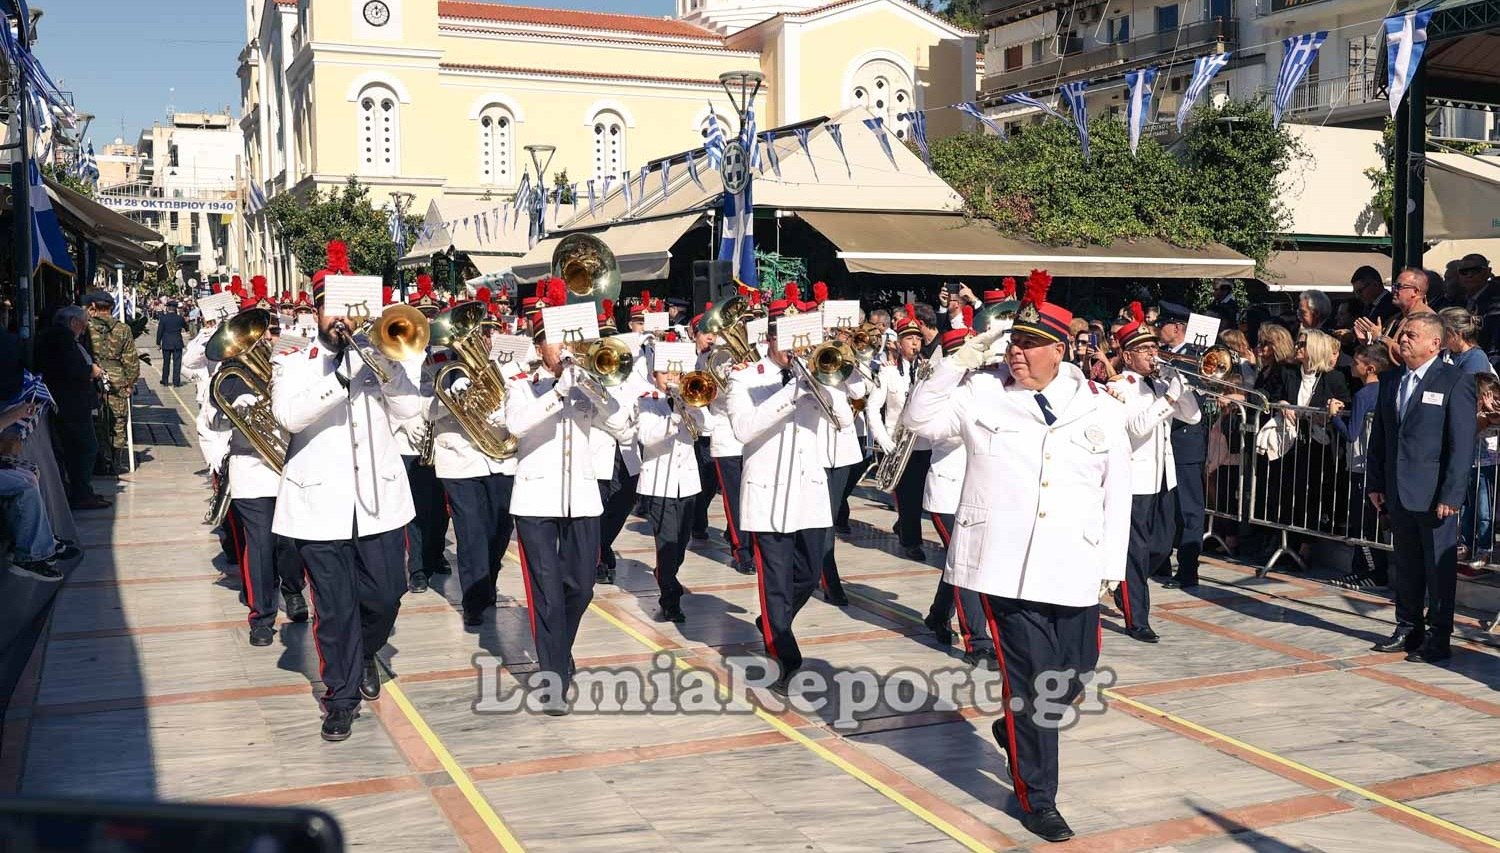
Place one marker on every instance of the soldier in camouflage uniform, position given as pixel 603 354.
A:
pixel 113 344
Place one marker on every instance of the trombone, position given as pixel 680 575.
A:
pixel 829 363
pixel 398 333
pixel 697 390
pixel 1208 374
pixel 602 364
pixel 862 343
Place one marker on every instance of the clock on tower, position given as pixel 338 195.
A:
pixel 377 14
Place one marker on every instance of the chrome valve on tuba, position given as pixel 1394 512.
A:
pixel 242 346
pixel 462 329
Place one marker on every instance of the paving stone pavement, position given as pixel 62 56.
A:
pixel 1261 722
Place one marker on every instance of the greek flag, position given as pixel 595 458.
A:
pixel 666 177
pixel 629 196
pixel 836 133
pixel 591 198
pixel 692 167
pixel 1138 85
pixel 522 191
pixel 1073 93
pixel 257 200
pixel 124 309
pixel 751 141
pixel 1026 100
pixel 918 121
pixel 803 134
pixel 877 127
pixel 972 110
pixel 48 247
pixel 397 232
pixel 714 148
pixel 88 167
pixel 1204 69
pixel 769 142
pixel 738 242
pixel 640 188
pixel 33 390
pixel 1301 53
pixel 1405 42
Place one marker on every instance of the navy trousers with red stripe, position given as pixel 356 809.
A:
pixel 728 469
pixel 841 512
pixel 267 562
pixel 972 625
pixel 787 566
pixel 617 494
pixel 357 586
pixel 671 523
pixel 428 532
pixel 1038 643
pixel 838 483
pixel 1153 531
pixel 481 529
pixel 710 483
pixel 558 558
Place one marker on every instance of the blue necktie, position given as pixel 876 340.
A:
pixel 1041 401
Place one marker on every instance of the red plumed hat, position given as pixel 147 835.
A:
pixel 1137 330
pixel 907 325
pixel 482 294
pixel 1038 316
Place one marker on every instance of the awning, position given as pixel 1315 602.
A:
pixel 1292 270
pixel 93 218
pixel 492 264
pixel 1463 197
pixel 936 244
pixel 643 249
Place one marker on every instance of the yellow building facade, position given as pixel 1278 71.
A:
pixel 440 97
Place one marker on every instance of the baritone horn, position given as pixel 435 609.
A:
pixel 462 329
pixel 728 322
pixel 242 346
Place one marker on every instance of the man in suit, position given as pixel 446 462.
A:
pixel 1189 451
pixel 1421 449
pixel 169 331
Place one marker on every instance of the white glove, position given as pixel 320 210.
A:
pixel 1108 587
pixel 1174 388
pixel 459 386
pixel 244 401
pixel 885 444
pixel 975 352
pixel 566 382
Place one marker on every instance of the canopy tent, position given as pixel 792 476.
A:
pixel 949 244
pixel 479 228
pixel 117 238
pixel 1320 269
pixel 642 248
pixel 1463 197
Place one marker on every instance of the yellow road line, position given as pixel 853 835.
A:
pixel 1303 768
pixel 811 745
pixel 180 401
pixel 476 800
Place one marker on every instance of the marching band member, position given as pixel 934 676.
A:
pixel 783 498
pixel 1152 402
pixel 908 493
pixel 940 494
pixel 427 534
pixel 669 483
pixel 617 466
pixel 344 498
pixel 703 448
pixel 556 501
pixel 1043 517
pixel 841 455
pixel 726 451
pixel 1189 452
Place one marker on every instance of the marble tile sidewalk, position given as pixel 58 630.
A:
pixel 1261 722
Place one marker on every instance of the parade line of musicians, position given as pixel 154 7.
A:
pixel 1048 489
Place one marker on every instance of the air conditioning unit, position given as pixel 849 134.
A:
pixel 1090 14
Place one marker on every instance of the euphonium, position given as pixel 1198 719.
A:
pixel 461 329
pixel 240 344
pixel 727 321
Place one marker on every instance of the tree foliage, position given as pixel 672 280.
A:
pixel 68 179
pixel 1220 186
pixel 307 225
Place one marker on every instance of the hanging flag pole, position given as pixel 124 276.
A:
pixel 21 201
pixel 737 244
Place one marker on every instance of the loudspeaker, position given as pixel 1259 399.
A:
pixel 713 281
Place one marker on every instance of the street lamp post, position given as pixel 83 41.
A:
pixel 400 201
pixel 541 158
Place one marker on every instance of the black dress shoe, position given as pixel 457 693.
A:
pixel 1170 583
pixel 843 530
pixel 744 568
pixel 1000 734
pixel 473 620
pixel 260 635
pixel 336 724
pixel 604 574
pixel 940 630
pixel 369 681
pixel 1145 635
pixel 1430 654
pixel 670 614
pixel 837 599
pixel 418 582
pixel 296 606
pixel 1402 641
pixel 442 568
pixel 984 658
pixel 1047 824
pixel 914 554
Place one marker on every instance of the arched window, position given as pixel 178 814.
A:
pixel 885 89
pixel 379 131
pixel 496 131
pixel 609 143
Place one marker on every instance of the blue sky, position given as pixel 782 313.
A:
pixel 123 61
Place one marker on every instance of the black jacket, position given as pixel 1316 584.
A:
pixel 67 371
pixel 169 331
pixel 1423 458
pixel 1330 386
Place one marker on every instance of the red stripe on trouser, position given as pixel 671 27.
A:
pixel 1125 602
pixel 734 529
pixel 312 599
pixel 943 534
pixel 526 579
pixel 243 549
pixel 765 614
pixel 1010 723
pixel 958 599
pixel 1099 640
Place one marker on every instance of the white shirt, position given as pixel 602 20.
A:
pixel 1409 383
pixel 669 463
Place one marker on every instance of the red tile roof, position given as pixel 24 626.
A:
pixel 572 19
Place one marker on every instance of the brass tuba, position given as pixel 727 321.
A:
pixel 462 329
pixel 728 321
pixel 241 345
pixel 588 267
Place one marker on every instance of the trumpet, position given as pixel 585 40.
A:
pixel 398 333
pixel 1208 374
pixel 603 364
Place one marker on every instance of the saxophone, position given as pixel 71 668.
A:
pixel 893 465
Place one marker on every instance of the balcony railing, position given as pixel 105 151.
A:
pixel 1329 92
pixel 1072 65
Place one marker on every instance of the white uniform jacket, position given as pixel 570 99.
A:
pixel 784 487
pixel 1044 512
pixel 249 475
pixel 669 464
pixel 721 438
pixel 602 445
pixel 898 379
pixel 876 405
pixel 1148 419
pixel 454 455
pixel 555 475
pixel 839 445
pixel 213 436
pixel 945 479
pixel 344 476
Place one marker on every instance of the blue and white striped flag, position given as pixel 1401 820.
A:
pixel 640 188
pixel 769 141
pixel 48 247
pixel 972 110
pixel 629 197
pixel 1138 86
pixel 88 167
pixel 692 167
pixel 750 140
pixel 1074 94
pixel 918 121
pixel 666 177
pixel 1026 100
pixel 393 226
pixel 1204 69
pixel 1301 53
pixel 714 147
pixel 523 191
pixel 803 134
pixel 836 133
pixel 877 127
pixel 591 198
pixel 1405 42
pixel 738 241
